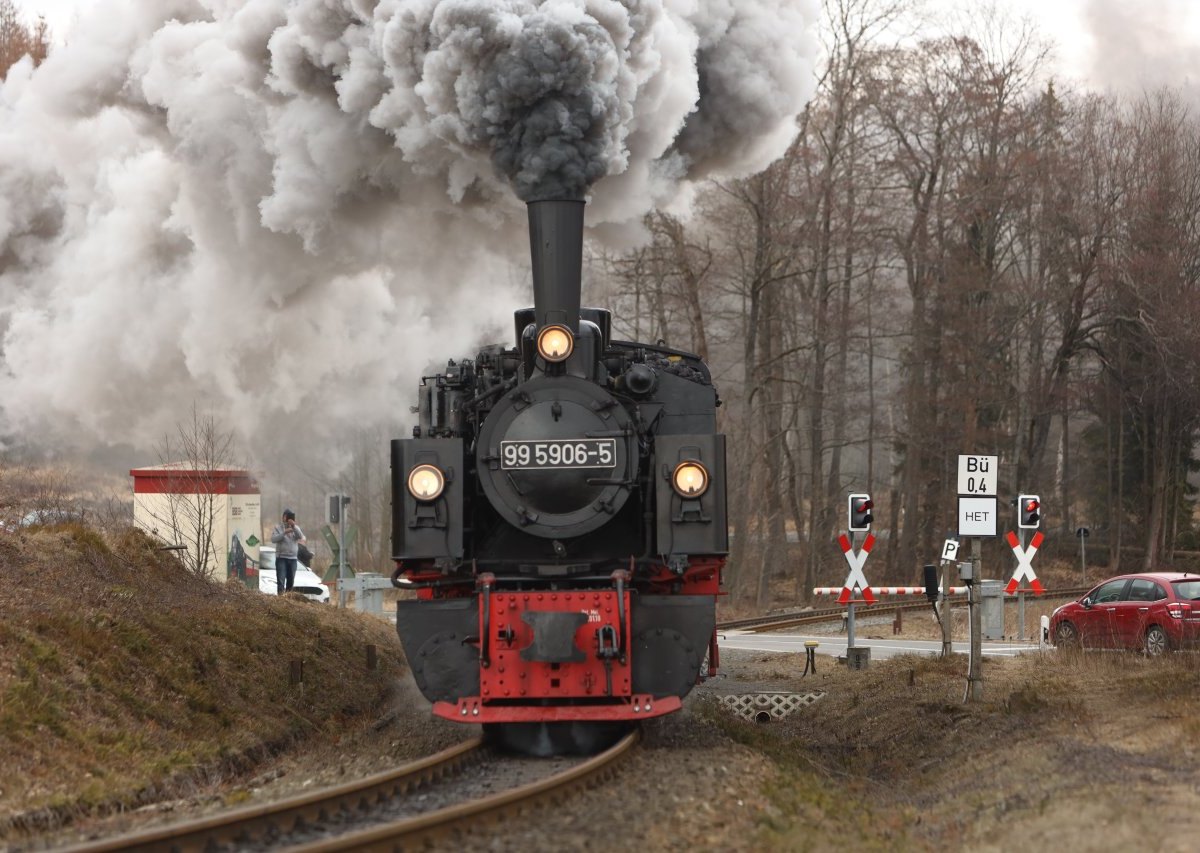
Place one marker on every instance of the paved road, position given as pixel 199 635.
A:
pixel 836 646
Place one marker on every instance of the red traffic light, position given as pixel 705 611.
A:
pixel 859 508
pixel 1029 515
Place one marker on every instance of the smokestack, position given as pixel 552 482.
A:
pixel 556 247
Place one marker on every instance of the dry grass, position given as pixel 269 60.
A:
pixel 1092 751
pixel 125 679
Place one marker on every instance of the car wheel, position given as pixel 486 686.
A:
pixel 1066 636
pixel 1156 641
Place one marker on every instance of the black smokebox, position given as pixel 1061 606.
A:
pixel 556 248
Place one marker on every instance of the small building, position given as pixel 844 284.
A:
pixel 215 514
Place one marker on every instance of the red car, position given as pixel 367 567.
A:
pixel 1154 612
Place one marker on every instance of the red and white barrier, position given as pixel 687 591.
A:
pixel 888 590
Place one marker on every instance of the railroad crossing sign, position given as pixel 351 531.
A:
pixel 1024 563
pixel 856 576
pixel 949 551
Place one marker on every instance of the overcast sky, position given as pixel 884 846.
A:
pixel 58 12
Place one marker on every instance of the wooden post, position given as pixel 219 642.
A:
pixel 296 673
pixel 372 658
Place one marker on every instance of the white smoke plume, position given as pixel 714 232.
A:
pixel 279 206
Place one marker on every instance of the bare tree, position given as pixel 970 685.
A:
pixel 839 246
pixel 686 263
pixel 953 256
pixel 18 40
pixel 758 224
pixel 917 100
pixel 1153 339
pixel 194 459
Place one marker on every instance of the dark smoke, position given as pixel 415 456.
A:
pixel 547 119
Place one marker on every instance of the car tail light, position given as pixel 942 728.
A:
pixel 1178 611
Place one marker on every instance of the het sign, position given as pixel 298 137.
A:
pixel 976 516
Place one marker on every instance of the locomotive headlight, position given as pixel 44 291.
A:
pixel 425 482
pixel 555 343
pixel 690 479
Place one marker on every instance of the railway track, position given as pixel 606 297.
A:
pixel 779 621
pixel 380 811
pixel 359 815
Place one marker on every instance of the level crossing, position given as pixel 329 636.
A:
pixel 836 645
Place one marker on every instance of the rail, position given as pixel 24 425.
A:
pixel 252 822
pixel 778 621
pixel 269 826
pixel 452 820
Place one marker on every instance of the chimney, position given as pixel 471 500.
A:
pixel 556 247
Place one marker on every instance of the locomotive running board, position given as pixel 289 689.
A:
pixel 472 710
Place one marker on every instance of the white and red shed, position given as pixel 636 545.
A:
pixel 178 503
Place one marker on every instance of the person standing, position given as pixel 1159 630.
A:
pixel 287 537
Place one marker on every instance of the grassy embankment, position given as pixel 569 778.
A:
pixel 124 679
pixel 1083 750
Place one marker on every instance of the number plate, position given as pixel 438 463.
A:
pixel 559 453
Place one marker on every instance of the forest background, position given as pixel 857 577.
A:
pixel 958 254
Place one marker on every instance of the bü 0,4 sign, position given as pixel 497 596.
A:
pixel 977 475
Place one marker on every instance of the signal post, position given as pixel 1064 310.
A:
pixel 859 518
pixel 976 519
pixel 949 557
pixel 1029 517
pixel 335 513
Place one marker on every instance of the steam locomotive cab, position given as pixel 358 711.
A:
pixel 561 512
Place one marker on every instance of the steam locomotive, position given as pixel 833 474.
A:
pixel 561 512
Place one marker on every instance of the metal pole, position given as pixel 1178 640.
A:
pixel 850 606
pixel 341 550
pixel 947 648
pixel 1021 594
pixel 1083 559
pixel 974 667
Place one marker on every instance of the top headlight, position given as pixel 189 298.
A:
pixel 555 343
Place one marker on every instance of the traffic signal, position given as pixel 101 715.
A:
pixel 860 512
pixel 335 508
pixel 1029 511
pixel 931 582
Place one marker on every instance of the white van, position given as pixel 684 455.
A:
pixel 306 582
